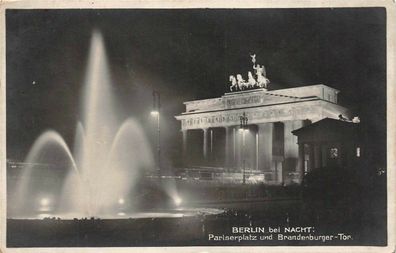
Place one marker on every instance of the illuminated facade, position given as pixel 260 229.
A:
pixel 212 136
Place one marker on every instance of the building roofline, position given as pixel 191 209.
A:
pixel 257 90
pixel 311 85
pixel 315 124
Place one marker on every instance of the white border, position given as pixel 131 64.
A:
pixel 181 4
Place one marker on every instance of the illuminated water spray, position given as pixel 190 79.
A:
pixel 105 162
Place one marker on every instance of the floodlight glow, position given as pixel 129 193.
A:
pixel 44 202
pixel 177 200
pixel 154 113
pixel 121 201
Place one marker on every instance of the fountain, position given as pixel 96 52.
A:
pixel 104 164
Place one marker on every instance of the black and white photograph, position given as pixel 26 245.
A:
pixel 165 127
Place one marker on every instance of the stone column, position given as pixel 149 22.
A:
pixel 265 132
pixel 211 156
pixel 234 147
pixel 227 148
pixel 257 151
pixel 311 157
pixel 211 141
pixel 291 151
pixel 290 144
pixel 184 147
pixel 300 166
pixel 205 144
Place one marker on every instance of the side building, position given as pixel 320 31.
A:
pixel 213 137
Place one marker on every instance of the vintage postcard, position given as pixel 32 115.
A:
pixel 197 127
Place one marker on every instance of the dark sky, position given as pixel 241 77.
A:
pixel 186 55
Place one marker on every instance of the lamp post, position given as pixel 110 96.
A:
pixel 243 126
pixel 156 113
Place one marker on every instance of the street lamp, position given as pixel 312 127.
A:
pixel 244 127
pixel 121 201
pixel 44 202
pixel 156 113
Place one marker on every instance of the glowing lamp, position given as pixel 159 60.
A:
pixel 154 113
pixel 44 202
pixel 177 201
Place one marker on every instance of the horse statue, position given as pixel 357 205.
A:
pixel 233 81
pixel 251 81
pixel 242 85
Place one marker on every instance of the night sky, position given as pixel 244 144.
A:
pixel 187 55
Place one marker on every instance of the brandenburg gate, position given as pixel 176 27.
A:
pixel 212 135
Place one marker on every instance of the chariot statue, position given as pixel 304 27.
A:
pixel 261 80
